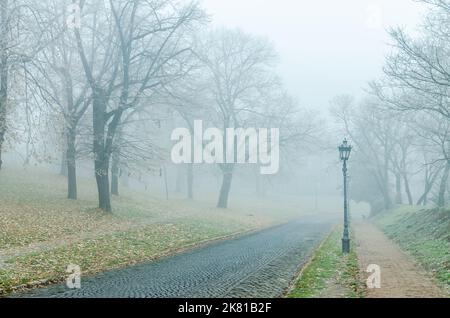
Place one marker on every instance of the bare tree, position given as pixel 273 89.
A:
pixel 133 149
pixel 18 46
pixel 143 45
pixel 56 73
pixel 188 98
pixel 372 133
pixel 417 83
pixel 239 68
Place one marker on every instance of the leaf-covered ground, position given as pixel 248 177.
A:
pixel 329 274
pixel 41 232
pixel 424 234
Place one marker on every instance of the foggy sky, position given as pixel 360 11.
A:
pixel 326 47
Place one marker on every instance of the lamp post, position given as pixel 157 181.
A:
pixel 344 154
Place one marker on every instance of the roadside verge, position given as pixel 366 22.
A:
pixel 329 273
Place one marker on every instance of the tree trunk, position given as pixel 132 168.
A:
pixel 226 186
pixel 125 177
pixel 430 179
pixel 101 153
pixel 3 73
pixel 28 152
pixel 71 167
pixel 383 186
pixel 179 180
pixel 386 184
pixel 166 186
pixel 115 174
pixel 190 181
pixel 407 189
pixel 102 178
pixel 398 189
pixel 423 198
pixel 443 186
pixel 264 186
pixel 63 167
pixel 103 129
pixel 258 184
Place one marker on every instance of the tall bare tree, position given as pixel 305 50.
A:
pixel 240 72
pixel 143 45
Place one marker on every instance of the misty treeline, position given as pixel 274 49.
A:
pixel 401 128
pixel 100 80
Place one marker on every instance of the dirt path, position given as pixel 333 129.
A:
pixel 400 276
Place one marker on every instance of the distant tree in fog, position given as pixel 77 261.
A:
pixel 18 46
pixel 372 133
pixel 188 98
pixel 57 77
pixel 239 69
pixel 417 83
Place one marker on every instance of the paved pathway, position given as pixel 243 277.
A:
pixel 400 276
pixel 260 264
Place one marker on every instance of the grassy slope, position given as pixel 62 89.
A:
pixel 41 232
pixel 424 234
pixel 329 273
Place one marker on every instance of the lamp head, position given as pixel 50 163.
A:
pixel 344 150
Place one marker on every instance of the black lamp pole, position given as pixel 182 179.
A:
pixel 344 151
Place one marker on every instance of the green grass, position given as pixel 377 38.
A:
pixel 329 273
pixel 424 234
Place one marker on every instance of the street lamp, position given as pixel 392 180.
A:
pixel 344 154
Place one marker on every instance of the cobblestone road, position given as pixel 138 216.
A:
pixel 260 264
